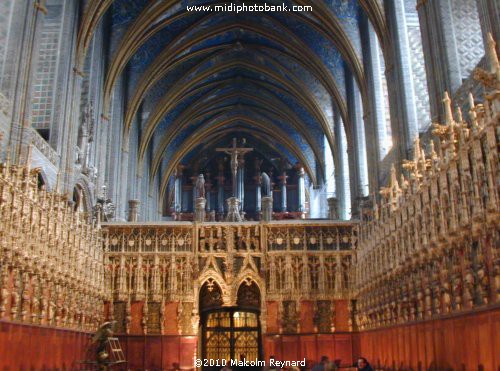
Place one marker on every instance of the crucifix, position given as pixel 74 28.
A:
pixel 236 155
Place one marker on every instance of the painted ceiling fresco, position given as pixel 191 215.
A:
pixel 274 76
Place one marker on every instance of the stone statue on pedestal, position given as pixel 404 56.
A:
pixel 200 186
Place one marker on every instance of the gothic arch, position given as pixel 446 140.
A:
pixel 43 180
pixel 248 295
pixel 211 295
pixel 87 199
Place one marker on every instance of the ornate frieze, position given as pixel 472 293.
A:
pixel 244 264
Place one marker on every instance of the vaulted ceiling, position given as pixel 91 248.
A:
pixel 199 76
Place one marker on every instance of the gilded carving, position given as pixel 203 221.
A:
pixel 431 245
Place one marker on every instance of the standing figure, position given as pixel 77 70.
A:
pixel 200 186
pixel 101 340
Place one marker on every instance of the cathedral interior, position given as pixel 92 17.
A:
pixel 222 180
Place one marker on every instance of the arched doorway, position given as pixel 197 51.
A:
pixel 230 333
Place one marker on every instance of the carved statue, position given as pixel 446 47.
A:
pixel 4 294
pixel 200 186
pixel 457 290
pixel 25 297
pixel 15 296
pixel 469 283
pixel 290 317
pixel 483 283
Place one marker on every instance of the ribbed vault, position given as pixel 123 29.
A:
pixel 192 78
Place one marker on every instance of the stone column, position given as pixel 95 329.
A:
pixel 340 172
pixel 375 115
pixel 123 183
pixel 199 209
pixel 301 190
pixel 193 191
pixel 333 208
pixel 258 186
pixel 220 194
pixel 185 201
pixel 67 93
pixel 220 188
pixel 360 144
pixel 399 81
pixel 440 52
pixel 178 191
pixel 133 210
pixel 267 208
pixel 233 212
pixel 283 191
pixel 258 192
pixel 208 192
pixel 21 69
pixel 489 17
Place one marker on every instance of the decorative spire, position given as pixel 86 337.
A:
pixel 422 159
pixel 472 112
pixel 416 150
pixel 493 57
pixel 460 117
pixel 394 179
pixel 447 108
pixel 490 78
pixel 404 183
pixel 433 150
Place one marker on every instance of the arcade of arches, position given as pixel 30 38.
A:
pixel 307 179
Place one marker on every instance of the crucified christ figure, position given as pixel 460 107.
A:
pixel 236 154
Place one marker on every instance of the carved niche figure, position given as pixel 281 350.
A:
pixel 128 316
pixel 162 317
pixel 4 293
pixel 35 300
pixel 457 290
pixel 104 209
pixel 496 275
pixel 25 297
pixel 154 318
pixel 323 316
pixel 469 283
pixel 15 296
pixel 185 314
pixel 290 318
pixel 435 289
pixel 483 284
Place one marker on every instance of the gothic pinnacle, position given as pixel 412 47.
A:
pixel 493 57
pixel 447 107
